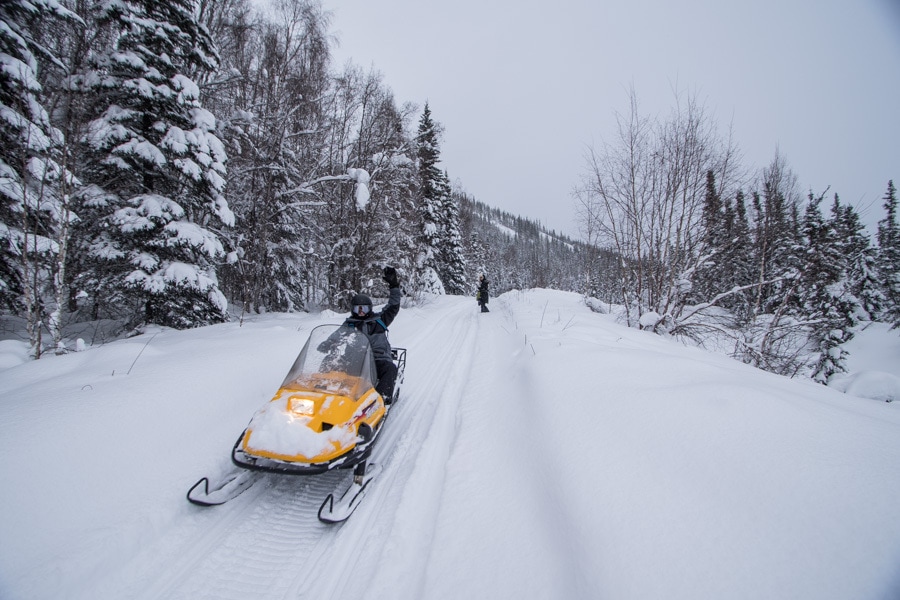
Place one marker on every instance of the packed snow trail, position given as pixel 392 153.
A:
pixel 268 543
pixel 398 512
pixel 537 451
pixel 499 449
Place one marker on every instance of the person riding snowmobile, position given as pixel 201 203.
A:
pixel 374 326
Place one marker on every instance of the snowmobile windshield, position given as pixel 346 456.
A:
pixel 336 360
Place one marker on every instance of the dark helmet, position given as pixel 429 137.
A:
pixel 361 306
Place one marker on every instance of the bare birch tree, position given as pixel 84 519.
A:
pixel 643 198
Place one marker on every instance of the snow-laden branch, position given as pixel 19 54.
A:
pixel 360 177
pixel 308 186
pixel 735 290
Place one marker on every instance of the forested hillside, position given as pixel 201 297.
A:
pixel 517 253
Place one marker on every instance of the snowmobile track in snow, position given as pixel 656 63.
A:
pixel 249 547
pixel 268 542
pixel 413 452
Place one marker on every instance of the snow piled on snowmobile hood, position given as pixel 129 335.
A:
pixel 276 430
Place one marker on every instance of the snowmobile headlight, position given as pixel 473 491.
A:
pixel 301 406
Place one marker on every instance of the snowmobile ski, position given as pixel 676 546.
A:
pixel 337 509
pixel 229 488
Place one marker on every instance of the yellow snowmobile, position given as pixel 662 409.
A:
pixel 325 415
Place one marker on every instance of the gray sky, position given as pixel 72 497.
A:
pixel 522 88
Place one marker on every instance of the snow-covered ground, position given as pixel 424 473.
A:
pixel 538 451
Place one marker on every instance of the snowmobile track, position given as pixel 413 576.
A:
pixel 268 542
pixel 413 453
pixel 422 440
pixel 248 547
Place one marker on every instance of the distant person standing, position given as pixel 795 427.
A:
pixel 482 296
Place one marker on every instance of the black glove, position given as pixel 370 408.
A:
pixel 390 276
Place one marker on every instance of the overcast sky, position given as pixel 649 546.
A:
pixel 522 88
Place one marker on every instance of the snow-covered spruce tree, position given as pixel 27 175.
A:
pixel 432 185
pixel 824 303
pixel 888 236
pixel 723 277
pixel 859 260
pixel 776 234
pixel 737 256
pixel 452 261
pixel 773 339
pixel 155 168
pixel 34 179
pixel 712 271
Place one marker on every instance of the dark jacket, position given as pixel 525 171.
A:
pixel 375 325
pixel 483 291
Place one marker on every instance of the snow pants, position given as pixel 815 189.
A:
pixel 387 377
